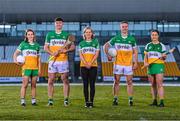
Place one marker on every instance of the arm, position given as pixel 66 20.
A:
pixel 135 53
pixel 106 46
pixel 82 57
pixel 95 57
pixel 16 53
pixel 46 48
pixel 69 49
pixel 146 60
pixel 39 64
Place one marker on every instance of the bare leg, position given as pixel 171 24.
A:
pixel 51 85
pixel 116 85
pixel 66 88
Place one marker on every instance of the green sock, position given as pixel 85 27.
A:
pixel 130 98
pixel 161 101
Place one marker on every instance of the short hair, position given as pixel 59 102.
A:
pixel 58 19
pixel 155 30
pixel 124 22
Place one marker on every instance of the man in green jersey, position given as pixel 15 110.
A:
pixel 54 46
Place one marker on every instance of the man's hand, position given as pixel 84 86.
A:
pixel 62 51
pixel 55 54
pixel 109 58
pixel 163 57
pixel 135 65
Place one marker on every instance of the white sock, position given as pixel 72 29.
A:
pixel 33 100
pixel 23 101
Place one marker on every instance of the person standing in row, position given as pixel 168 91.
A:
pixel 31 67
pixel 123 65
pixel 155 54
pixel 89 52
pixel 55 40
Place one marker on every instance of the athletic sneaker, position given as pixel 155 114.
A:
pixel 86 105
pixel 115 101
pixel 50 102
pixel 66 102
pixel 130 103
pixel 154 103
pixel 91 105
pixel 23 104
pixel 34 104
pixel 161 105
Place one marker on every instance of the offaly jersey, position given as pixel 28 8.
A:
pixel 30 53
pixel 57 41
pixel 154 51
pixel 88 50
pixel 124 47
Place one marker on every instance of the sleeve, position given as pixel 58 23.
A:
pixel 67 36
pixel 38 50
pixel 134 44
pixel 20 47
pixel 112 41
pixel 47 41
pixel 146 49
pixel 164 50
pixel 97 45
pixel 79 47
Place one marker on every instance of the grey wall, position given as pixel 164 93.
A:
pixel 89 10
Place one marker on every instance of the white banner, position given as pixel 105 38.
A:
pixel 12 79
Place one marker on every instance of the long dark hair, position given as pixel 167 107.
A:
pixel 25 35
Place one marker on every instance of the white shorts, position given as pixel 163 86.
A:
pixel 58 67
pixel 122 70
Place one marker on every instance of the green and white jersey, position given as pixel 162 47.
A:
pixel 30 53
pixel 124 47
pixel 154 51
pixel 57 41
pixel 88 50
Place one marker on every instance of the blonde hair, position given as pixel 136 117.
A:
pixel 25 36
pixel 85 29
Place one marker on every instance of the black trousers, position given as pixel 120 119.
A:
pixel 89 76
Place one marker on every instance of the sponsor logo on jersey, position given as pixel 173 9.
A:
pixel 88 49
pixel 57 42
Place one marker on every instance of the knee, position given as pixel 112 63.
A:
pixel 153 84
pixel 129 82
pixel 50 82
pixel 159 85
pixel 33 85
pixel 24 85
pixel 64 78
pixel 116 82
pixel 66 82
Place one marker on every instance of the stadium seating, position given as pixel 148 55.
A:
pixel 13 70
pixel 9 69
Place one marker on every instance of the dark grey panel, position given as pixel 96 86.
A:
pixel 89 10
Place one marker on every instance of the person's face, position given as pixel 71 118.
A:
pixel 58 25
pixel 88 34
pixel 30 36
pixel 124 27
pixel 154 36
